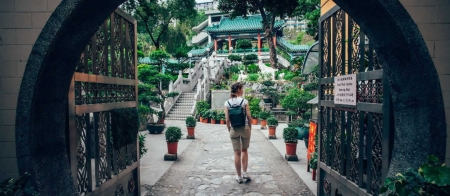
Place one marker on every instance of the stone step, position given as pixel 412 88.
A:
pixel 181 107
pixel 178 119
pixel 179 116
pixel 184 104
pixel 180 112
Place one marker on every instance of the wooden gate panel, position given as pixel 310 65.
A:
pixel 105 79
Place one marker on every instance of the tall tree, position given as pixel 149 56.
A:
pixel 310 10
pixel 269 10
pixel 156 15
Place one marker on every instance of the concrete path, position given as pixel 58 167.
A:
pixel 205 165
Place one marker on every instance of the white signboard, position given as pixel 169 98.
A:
pixel 345 90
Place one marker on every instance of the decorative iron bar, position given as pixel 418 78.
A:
pixel 352 141
pixel 96 93
pixel 82 168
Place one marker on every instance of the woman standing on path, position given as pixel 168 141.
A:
pixel 239 126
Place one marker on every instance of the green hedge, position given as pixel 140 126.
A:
pixel 124 126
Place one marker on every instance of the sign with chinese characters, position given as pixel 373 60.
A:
pixel 345 90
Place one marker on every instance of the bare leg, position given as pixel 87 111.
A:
pixel 244 160
pixel 237 162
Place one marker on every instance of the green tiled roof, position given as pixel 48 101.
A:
pixel 201 51
pixel 148 60
pixel 251 23
pixel 291 47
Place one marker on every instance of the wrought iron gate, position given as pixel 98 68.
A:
pixel 105 79
pixel 354 143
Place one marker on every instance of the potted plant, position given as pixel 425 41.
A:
pixel 313 164
pixel 217 119
pixel 254 110
pixel 205 115
pixel 273 123
pixel 201 106
pixel 222 117
pixel 173 135
pixel 212 116
pixel 296 101
pixel 190 124
pixel 290 139
pixel 151 93
pixel 263 115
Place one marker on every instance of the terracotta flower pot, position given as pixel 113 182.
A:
pixel 222 122
pixel 263 123
pixel 205 120
pixel 172 147
pixel 291 149
pixel 213 121
pixel 272 130
pixel 314 174
pixel 254 121
pixel 201 119
pixel 191 130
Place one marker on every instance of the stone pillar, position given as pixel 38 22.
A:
pixel 275 41
pixel 215 44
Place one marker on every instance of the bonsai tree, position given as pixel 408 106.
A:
pixel 272 121
pixel 296 101
pixel 234 58
pixel 190 121
pixel 152 81
pixel 173 134
pixel 264 115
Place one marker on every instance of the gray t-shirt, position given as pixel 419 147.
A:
pixel 237 101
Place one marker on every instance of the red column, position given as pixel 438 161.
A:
pixel 229 43
pixel 275 41
pixel 215 45
pixel 259 44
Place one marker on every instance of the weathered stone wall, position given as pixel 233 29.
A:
pixel 21 21
pixel 433 20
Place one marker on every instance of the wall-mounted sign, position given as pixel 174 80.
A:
pixel 345 90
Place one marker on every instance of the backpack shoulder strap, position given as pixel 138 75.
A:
pixel 229 103
pixel 242 102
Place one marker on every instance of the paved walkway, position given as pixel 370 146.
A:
pixel 205 165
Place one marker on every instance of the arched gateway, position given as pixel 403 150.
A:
pixel 43 146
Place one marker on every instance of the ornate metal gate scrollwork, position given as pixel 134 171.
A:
pixel 104 80
pixel 354 142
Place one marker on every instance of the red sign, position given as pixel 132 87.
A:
pixel 311 140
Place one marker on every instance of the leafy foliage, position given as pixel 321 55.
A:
pixel 255 109
pixel 173 134
pixel 250 58
pixel 272 121
pixel 432 178
pixel 263 115
pixel 201 107
pixel 290 135
pixel 21 187
pixel 142 149
pixel 155 16
pixel 252 68
pixel 268 83
pixel 190 121
pixel 234 77
pixel 313 161
pixel 296 100
pixel 310 10
pixel 252 77
pixel 244 44
pixel 221 115
pixel 234 57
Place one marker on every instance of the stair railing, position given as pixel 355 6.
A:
pixel 176 86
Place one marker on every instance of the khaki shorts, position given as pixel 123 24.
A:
pixel 240 137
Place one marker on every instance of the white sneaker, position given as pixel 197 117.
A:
pixel 246 176
pixel 239 179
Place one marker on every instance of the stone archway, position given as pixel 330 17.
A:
pixel 42 105
pixel 419 118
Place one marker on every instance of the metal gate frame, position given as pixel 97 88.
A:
pixel 354 144
pixel 105 79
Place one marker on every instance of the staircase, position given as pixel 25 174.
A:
pixel 182 108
